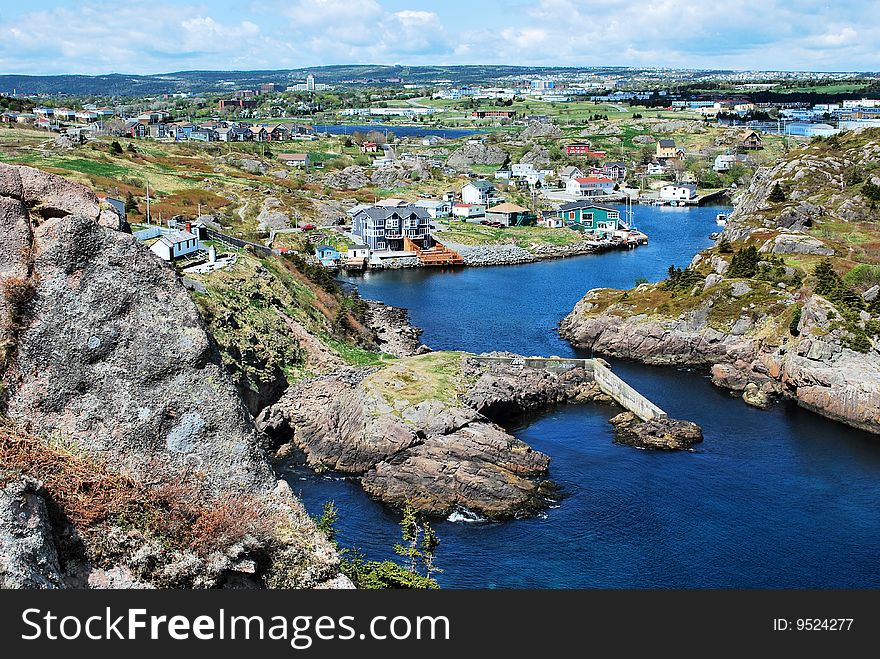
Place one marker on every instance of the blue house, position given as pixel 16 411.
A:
pixel 328 256
pixel 591 218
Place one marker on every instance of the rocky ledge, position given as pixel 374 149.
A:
pixel 663 434
pixel 394 333
pixel 425 430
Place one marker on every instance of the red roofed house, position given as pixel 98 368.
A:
pixel 590 186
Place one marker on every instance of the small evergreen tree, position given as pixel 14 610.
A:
pixel 130 203
pixel 744 263
pixel 777 195
pixel 116 148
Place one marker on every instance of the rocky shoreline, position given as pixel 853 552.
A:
pixel 425 431
pixel 394 333
pixel 477 256
pixel 766 334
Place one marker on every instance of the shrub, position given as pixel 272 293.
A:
pixel 744 263
pixel 863 276
pixel 725 247
pixel 795 319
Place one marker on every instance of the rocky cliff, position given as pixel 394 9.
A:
pixel 104 353
pixel 782 305
pixel 424 430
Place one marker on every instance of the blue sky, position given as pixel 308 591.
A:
pixel 71 36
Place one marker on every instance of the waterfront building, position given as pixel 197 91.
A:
pixel 385 227
pixel 594 219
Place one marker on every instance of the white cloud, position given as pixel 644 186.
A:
pixel 126 37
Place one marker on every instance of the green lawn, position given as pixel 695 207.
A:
pixel 465 233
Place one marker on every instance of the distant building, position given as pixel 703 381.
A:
pixel 174 245
pixel 615 170
pixel 509 214
pixel 572 171
pixel 465 211
pixel 666 149
pixel 267 88
pixel 478 192
pixel 751 141
pixel 678 192
pixel 295 159
pixel 493 114
pixel 236 103
pixel 328 256
pixel 435 208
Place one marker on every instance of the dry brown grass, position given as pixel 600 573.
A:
pixel 180 514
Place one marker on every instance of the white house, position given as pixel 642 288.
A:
pixel 478 192
pixel 435 208
pixel 569 172
pixel 522 169
pixel 655 169
pixel 174 245
pixel 294 159
pixel 550 221
pixel 358 252
pixel 678 192
pixel 589 186
pixel 466 211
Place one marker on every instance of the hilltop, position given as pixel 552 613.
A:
pixel 785 303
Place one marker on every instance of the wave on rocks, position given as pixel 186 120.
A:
pixel 465 516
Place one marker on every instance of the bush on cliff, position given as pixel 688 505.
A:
pixel 744 263
pixel 419 543
pixel 777 195
pixel 679 280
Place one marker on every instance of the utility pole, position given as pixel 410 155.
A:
pixel 148 202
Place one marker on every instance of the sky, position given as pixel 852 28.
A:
pixel 97 37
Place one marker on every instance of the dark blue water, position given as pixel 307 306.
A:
pixel 399 131
pixel 778 498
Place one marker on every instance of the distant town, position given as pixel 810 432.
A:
pixel 409 174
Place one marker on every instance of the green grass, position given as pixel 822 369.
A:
pixel 355 355
pixel 525 237
pixel 434 376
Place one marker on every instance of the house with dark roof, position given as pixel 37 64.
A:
pixel 387 227
pixel 665 149
pixel 615 170
pixel 175 244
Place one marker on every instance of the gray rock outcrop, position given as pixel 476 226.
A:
pixel 103 346
pixel 476 154
pixel 541 130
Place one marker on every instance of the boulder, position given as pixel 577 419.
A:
pixel 476 154
pixel 660 434
pixel 796 243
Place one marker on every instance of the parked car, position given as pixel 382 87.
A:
pixel 308 227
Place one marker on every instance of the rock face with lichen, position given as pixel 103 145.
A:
pixel 104 350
